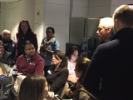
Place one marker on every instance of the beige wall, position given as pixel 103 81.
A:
pixel 55 13
pixel 116 3
pixel 99 8
pixel 80 8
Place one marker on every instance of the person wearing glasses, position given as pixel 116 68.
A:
pixel 24 35
pixel 105 29
pixel 30 62
pixel 72 56
pixel 49 45
pixel 5 57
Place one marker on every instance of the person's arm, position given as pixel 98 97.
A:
pixel 14 54
pixel 49 51
pixel 69 93
pixel 60 81
pixel 18 62
pixel 56 47
pixel 94 72
pixel 73 80
pixel 39 67
pixel 84 96
pixel 8 59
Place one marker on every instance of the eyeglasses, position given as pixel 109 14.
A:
pixel 75 55
pixel 30 49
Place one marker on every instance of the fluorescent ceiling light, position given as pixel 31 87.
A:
pixel 8 0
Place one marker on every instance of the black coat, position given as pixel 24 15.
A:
pixel 10 46
pixel 113 63
pixel 6 58
pixel 57 79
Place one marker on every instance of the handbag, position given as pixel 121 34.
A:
pixel 7 91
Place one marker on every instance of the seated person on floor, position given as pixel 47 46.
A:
pixel 30 62
pixel 72 56
pixel 79 92
pixel 9 45
pixel 5 57
pixel 58 73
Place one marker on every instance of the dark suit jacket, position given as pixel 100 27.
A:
pixel 10 46
pixel 6 58
pixel 57 79
pixel 113 62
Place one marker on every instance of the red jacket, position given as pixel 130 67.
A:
pixel 34 66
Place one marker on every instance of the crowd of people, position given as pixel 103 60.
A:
pixel 107 76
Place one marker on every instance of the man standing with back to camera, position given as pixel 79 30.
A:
pixel 113 61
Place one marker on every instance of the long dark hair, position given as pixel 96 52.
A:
pixel 62 56
pixel 82 64
pixel 71 51
pixel 20 32
pixel 32 88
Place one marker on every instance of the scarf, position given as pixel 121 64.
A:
pixel 47 42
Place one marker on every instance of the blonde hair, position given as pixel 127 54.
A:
pixel 125 14
pixel 5 32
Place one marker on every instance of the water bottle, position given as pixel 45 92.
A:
pixel 9 71
pixel 15 71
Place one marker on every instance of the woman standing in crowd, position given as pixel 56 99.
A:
pixel 24 35
pixel 58 73
pixel 34 87
pixel 80 93
pixel 72 56
pixel 49 45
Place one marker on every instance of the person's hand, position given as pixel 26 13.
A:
pixel 74 81
pixel 43 48
pixel 50 96
pixel 68 91
pixel 13 62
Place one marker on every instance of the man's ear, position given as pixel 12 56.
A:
pixel 117 23
pixel 108 30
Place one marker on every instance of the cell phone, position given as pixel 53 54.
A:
pixel 72 87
